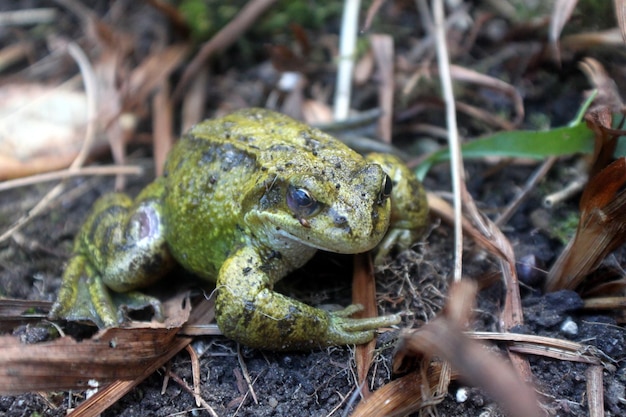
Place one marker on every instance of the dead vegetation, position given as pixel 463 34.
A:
pixel 127 74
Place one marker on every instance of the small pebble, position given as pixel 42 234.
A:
pixel 569 327
pixel 461 395
pixel 273 402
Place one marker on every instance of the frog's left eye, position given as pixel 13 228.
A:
pixel 301 202
pixel 387 188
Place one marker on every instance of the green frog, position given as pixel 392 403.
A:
pixel 244 200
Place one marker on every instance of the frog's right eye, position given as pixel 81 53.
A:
pixel 387 188
pixel 301 202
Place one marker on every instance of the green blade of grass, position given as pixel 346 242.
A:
pixel 575 138
pixel 521 144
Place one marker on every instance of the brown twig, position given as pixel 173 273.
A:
pixel 187 388
pixel 537 176
pixel 67 173
pixel 195 372
pixel 383 48
pixel 595 390
pixel 246 374
pixel 364 293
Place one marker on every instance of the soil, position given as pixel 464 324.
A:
pixel 319 383
pixel 322 383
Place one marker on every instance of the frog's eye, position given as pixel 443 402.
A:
pixel 387 188
pixel 301 202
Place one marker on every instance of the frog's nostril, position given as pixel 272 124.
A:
pixel 340 221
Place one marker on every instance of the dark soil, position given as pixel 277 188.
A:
pixel 319 383
pixel 322 383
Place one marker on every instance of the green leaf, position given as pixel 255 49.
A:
pixel 575 138
pixel 521 144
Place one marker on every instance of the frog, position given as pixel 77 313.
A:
pixel 243 201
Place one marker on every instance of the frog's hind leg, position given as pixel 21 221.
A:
pixel 82 298
pixel 120 248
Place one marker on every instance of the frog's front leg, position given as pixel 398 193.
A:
pixel 250 312
pixel 120 247
pixel 409 207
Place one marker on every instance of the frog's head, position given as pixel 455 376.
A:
pixel 344 209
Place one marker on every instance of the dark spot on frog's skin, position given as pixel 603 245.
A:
pixel 337 186
pixel 207 157
pixel 309 141
pixel 337 165
pixel 110 246
pixel 272 255
pixel 226 155
pixel 213 179
pixel 286 324
pixel 249 309
pixel 246 139
pixel 341 221
pixel 281 148
pixel 113 211
pixel 375 218
pixel 246 270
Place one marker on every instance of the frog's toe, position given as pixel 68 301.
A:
pixel 348 311
pixel 358 331
pixel 354 338
pixel 372 323
pixel 135 301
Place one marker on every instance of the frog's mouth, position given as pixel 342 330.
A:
pixel 334 239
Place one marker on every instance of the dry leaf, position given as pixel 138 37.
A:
pixel 364 293
pixel 602 225
pixel 110 355
pixel 67 364
pixel 602 228
pixel 444 339
pixel 41 128
pixel 561 13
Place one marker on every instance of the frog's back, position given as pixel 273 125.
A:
pixel 274 138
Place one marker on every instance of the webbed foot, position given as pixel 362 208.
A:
pixel 84 297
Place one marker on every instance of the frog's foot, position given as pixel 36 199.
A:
pixel 396 238
pixel 346 330
pixel 83 297
pixel 135 301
